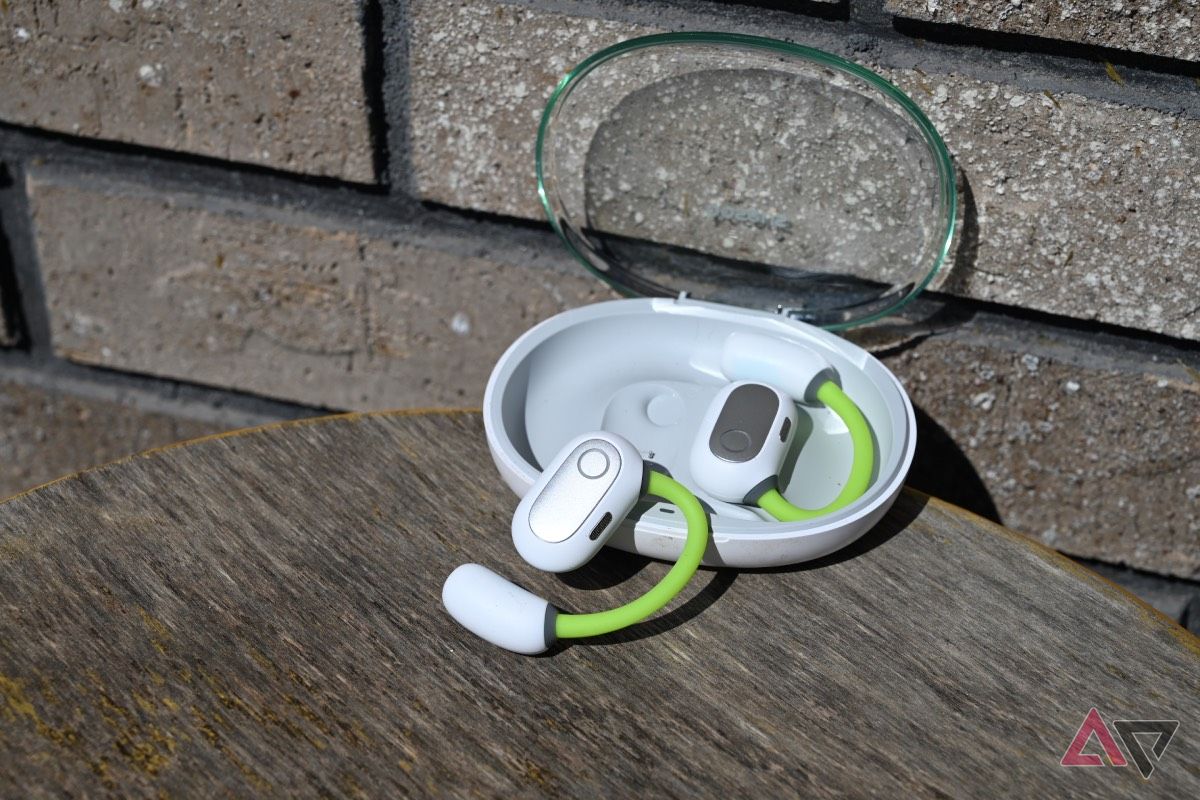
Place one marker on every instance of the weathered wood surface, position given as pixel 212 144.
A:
pixel 259 614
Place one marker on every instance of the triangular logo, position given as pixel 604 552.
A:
pixel 1163 731
pixel 1093 725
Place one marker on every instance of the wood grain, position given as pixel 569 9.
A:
pixel 259 614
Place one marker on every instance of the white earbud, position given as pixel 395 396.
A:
pixel 577 503
pixel 743 438
pixel 746 432
pixel 560 524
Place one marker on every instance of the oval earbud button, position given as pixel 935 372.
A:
pixel 566 499
pixel 735 441
pixel 593 464
pixel 744 423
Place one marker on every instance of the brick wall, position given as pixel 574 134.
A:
pixel 224 213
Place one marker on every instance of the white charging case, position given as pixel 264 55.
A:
pixel 790 192
pixel 647 369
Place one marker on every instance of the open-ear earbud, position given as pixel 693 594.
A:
pixel 571 511
pixel 748 427
pixel 742 441
pixel 577 503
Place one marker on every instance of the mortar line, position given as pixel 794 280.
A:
pixel 148 392
pixel 394 91
pixel 373 77
pixel 16 223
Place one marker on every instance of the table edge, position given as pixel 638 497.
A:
pixel 1151 614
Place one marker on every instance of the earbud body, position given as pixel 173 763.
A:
pixel 572 510
pixel 742 441
pixel 578 502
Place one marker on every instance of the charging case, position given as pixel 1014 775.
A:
pixel 728 184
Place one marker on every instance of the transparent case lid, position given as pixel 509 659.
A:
pixel 746 171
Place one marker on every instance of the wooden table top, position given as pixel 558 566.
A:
pixel 260 613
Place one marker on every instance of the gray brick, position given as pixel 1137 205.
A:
pixel 1160 27
pixel 276 83
pixel 1096 457
pixel 480 73
pixel 281 305
pixel 1080 207
pixel 47 433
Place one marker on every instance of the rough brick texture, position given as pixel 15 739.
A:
pixel 1077 207
pixel 1168 28
pixel 45 434
pixel 1083 208
pixel 1099 460
pixel 480 74
pixel 274 83
pixel 281 307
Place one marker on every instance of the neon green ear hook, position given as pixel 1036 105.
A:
pixel 863 444
pixel 506 615
pixel 576 626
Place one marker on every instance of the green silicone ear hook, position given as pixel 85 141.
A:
pixel 591 485
pixel 575 626
pixel 839 403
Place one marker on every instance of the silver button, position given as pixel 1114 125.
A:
pixel 593 463
pixel 735 441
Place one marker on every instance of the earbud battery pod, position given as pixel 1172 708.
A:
pixel 730 185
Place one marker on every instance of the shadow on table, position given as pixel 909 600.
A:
pixel 613 567
pixel 941 469
pixel 908 507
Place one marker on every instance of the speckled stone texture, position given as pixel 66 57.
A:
pixel 1098 459
pixel 279 305
pixel 1082 208
pixel 1168 28
pixel 45 434
pixel 274 83
pixel 480 74
pixel 1074 206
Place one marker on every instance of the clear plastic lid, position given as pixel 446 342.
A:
pixel 746 171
